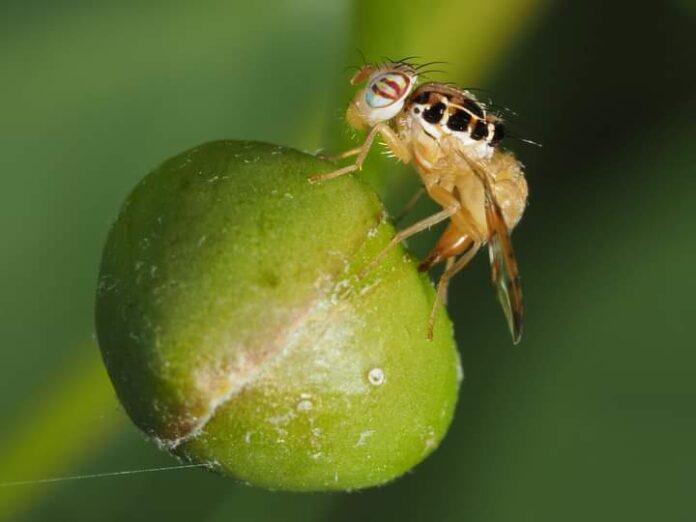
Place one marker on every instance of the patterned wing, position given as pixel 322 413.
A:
pixel 504 272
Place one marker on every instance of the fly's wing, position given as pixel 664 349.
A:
pixel 504 273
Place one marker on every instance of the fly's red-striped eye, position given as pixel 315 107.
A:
pixel 387 89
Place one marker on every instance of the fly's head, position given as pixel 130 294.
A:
pixel 386 88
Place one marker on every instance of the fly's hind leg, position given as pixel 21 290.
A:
pixel 392 140
pixel 451 270
pixel 452 243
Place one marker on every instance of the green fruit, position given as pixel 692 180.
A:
pixel 236 334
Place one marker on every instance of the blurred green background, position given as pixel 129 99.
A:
pixel 592 417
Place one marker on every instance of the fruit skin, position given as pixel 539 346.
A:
pixel 235 334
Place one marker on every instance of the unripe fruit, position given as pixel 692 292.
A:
pixel 236 334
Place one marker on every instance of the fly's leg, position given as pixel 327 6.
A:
pixel 451 270
pixel 451 244
pixel 406 233
pixel 411 203
pixel 398 147
pixel 395 144
pixel 448 265
pixel 462 219
pixel 333 174
pixel 346 154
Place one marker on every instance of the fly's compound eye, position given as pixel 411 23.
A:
pixel 386 89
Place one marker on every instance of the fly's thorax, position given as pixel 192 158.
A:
pixel 442 111
pixel 428 155
pixel 435 153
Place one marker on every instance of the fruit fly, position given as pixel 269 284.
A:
pixel 453 142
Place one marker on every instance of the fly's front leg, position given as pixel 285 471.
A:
pixel 394 143
pixel 347 154
pixel 406 233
